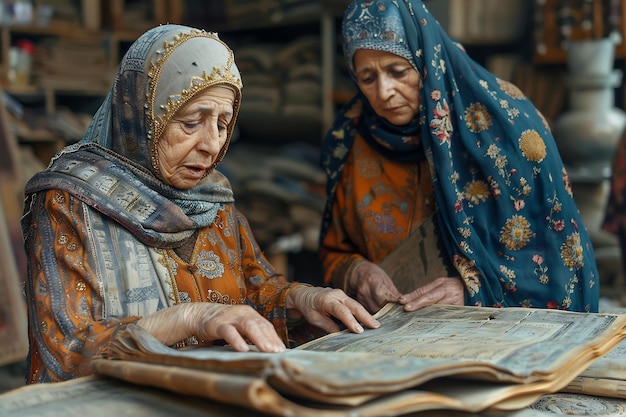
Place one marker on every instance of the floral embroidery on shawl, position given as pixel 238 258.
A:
pixel 501 188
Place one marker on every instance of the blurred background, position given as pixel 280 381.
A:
pixel 57 60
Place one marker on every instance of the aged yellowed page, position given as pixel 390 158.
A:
pixel 603 387
pixel 100 396
pixel 612 365
pixel 605 377
pixel 519 344
pixel 417 260
pixel 441 357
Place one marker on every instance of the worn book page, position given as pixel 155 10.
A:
pixel 512 356
pixel 257 394
pixel 521 344
pixel 417 260
pixel 612 365
pixel 603 387
pixel 345 378
pixel 98 396
pixel 605 377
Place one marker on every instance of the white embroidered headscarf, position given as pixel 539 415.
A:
pixel 114 168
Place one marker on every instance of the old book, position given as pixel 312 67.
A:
pixel 100 396
pixel 439 358
pixel 605 377
pixel 97 396
pixel 417 260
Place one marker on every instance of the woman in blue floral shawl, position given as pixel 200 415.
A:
pixel 475 156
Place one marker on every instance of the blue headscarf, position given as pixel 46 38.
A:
pixel 504 202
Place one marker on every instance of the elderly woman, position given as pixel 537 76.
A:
pixel 134 224
pixel 433 135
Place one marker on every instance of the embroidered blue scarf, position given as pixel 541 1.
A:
pixel 504 201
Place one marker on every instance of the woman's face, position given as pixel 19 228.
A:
pixel 390 84
pixel 194 137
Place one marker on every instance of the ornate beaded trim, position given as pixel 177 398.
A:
pixel 175 101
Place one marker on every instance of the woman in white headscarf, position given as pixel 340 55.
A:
pixel 134 224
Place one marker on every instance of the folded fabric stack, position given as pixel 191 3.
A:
pixel 243 12
pixel 282 94
pixel 300 62
pixel 261 80
pixel 280 191
pixel 72 64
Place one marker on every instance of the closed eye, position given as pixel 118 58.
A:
pixel 190 125
pixel 367 80
pixel 399 74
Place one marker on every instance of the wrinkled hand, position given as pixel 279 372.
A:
pixel 443 290
pixel 373 286
pixel 318 305
pixel 210 322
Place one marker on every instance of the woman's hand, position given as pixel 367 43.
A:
pixel 318 305
pixel 373 286
pixel 237 325
pixel 443 290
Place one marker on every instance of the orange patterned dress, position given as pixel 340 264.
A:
pixel 380 202
pixel 79 299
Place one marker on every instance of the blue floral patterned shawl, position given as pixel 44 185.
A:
pixel 114 168
pixel 505 206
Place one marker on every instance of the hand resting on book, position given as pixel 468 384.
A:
pixel 241 325
pixel 374 288
pixel 443 290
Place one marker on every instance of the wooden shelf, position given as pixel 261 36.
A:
pixel 550 43
pixel 99 22
pixel 55 28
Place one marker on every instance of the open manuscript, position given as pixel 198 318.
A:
pixel 605 377
pixel 439 358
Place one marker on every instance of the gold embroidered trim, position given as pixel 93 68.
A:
pixel 218 75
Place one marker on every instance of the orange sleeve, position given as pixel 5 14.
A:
pixel 377 204
pixel 64 301
pixel 266 289
pixel 338 253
